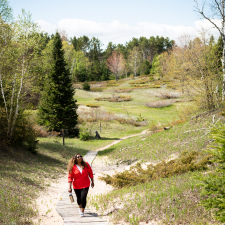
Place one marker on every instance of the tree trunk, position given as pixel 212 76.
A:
pixel 223 61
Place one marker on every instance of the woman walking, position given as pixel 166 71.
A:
pixel 79 173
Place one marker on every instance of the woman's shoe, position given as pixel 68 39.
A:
pixel 81 214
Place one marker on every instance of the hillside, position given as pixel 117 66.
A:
pixel 24 175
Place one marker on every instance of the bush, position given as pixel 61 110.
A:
pixel 24 135
pixel 92 105
pixel 159 104
pixel 43 132
pixel 84 136
pixel 168 95
pixel 123 90
pixel 96 89
pixel 86 86
pixel 213 195
pixel 114 98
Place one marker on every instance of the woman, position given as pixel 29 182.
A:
pixel 79 173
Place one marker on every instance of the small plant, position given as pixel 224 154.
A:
pixel 140 118
pixel 84 135
pixel 86 86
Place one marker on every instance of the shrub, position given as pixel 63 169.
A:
pixel 114 98
pixel 113 83
pixel 123 90
pixel 188 161
pixel 84 135
pixel 156 86
pixel 213 183
pixel 97 89
pixel 168 95
pixel 94 115
pixel 92 105
pixel 133 122
pixel 42 132
pixel 24 135
pixel 159 104
pixel 86 86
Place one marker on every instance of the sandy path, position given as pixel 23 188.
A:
pixel 47 200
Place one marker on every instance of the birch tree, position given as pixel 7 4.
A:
pixel 217 18
pixel 17 52
pixel 135 59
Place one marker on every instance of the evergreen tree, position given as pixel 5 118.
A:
pixel 58 108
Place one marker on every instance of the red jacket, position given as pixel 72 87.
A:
pixel 80 180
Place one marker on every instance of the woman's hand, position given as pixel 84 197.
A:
pixel 92 184
pixel 70 190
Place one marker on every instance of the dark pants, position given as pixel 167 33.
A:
pixel 81 196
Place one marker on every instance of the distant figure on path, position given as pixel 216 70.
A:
pixel 79 172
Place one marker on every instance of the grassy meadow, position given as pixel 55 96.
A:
pixel 24 175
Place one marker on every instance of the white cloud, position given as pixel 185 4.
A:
pixel 118 32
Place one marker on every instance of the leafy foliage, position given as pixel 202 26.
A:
pixel 213 183
pixel 84 135
pixel 86 86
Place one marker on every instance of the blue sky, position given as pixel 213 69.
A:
pixel 116 21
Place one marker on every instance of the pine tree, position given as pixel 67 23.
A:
pixel 58 108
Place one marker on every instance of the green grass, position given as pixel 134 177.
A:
pixel 173 200
pixel 161 145
pixel 133 108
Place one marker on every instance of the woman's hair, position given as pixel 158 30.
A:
pixel 73 161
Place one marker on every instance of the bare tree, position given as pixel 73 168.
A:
pixel 116 64
pixel 217 9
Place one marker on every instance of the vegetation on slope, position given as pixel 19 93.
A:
pixel 172 199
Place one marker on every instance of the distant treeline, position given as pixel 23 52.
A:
pixel 87 61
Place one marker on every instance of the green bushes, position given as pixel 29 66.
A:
pixel 213 184
pixel 188 161
pixel 86 86
pixel 92 105
pixel 84 135
pixel 24 134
